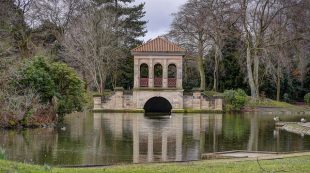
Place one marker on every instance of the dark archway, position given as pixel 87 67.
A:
pixel 157 105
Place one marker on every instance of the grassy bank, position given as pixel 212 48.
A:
pixel 269 105
pixel 293 163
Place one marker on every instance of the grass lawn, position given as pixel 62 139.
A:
pixel 296 164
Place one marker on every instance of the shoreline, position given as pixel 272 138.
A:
pixel 299 161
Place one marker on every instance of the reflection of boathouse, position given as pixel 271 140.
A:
pixel 158 67
pixel 176 139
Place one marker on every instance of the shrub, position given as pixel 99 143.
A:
pixel 235 99
pixel 307 98
pixel 56 84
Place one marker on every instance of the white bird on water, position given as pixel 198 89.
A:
pixel 276 119
pixel 303 120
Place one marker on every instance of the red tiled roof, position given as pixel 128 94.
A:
pixel 158 45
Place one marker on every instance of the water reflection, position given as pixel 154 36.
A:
pixel 98 139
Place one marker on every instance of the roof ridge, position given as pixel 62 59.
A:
pixel 159 44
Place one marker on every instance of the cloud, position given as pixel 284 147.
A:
pixel 158 15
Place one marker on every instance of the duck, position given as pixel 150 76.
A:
pixel 63 128
pixel 303 120
pixel 276 119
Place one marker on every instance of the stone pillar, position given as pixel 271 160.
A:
pixel 119 100
pixel 197 99
pixel 179 75
pixel 136 76
pixel 97 102
pixel 165 74
pixel 151 73
pixel 219 104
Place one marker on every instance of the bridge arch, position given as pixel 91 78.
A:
pixel 157 105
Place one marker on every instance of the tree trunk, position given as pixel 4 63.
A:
pixel 201 68
pixel 250 73
pixel 215 72
pixel 278 81
pixel 256 68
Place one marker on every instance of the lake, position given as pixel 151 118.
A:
pixel 117 138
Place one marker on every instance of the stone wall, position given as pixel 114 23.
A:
pixel 136 100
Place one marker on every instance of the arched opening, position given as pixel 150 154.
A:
pixel 172 76
pixel 144 75
pixel 157 105
pixel 158 75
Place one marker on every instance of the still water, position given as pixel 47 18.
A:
pixel 105 138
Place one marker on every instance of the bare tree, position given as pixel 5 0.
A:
pixel 190 28
pixel 59 13
pixel 91 43
pixel 221 16
pixel 256 19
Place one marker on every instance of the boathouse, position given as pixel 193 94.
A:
pixel 158 68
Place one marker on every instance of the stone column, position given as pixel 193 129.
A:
pixel 165 74
pixel 179 75
pixel 151 73
pixel 136 76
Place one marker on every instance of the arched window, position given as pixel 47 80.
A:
pixel 144 75
pixel 158 75
pixel 172 76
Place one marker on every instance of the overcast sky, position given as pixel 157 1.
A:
pixel 158 15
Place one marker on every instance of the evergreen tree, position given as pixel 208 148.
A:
pixel 128 20
pixel 129 27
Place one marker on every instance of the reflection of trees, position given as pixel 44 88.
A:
pixel 235 127
pixel 233 136
pixel 30 145
pixel 212 131
pixel 254 132
pixel 114 141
